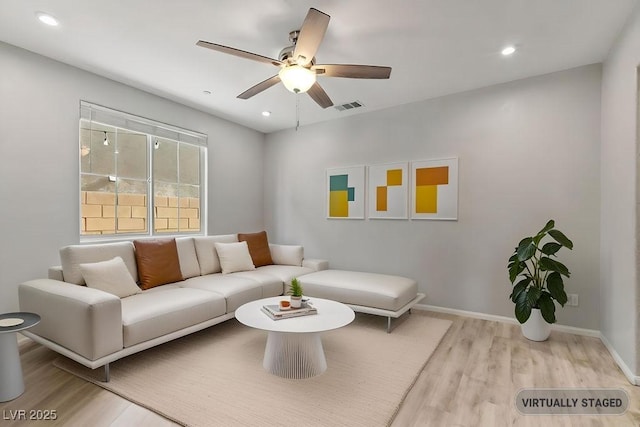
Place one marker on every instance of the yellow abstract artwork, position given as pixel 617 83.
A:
pixel 339 204
pixel 389 191
pixel 394 177
pixel 427 199
pixel 435 189
pixel 381 199
pixel 345 192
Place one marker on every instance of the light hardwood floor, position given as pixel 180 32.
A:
pixel 471 380
pixel 474 375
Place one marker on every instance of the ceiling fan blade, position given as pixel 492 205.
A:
pixel 238 52
pixel 311 34
pixel 353 71
pixel 264 85
pixel 320 96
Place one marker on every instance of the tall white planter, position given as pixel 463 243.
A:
pixel 536 328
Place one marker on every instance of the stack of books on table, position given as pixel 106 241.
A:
pixel 274 312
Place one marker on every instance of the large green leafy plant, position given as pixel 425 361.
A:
pixel 540 274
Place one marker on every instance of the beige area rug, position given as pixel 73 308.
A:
pixel 215 377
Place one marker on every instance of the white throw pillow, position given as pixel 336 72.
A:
pixel 234 257
pixel 287 254
pixel 110 276
pixel 187 257
pixel 206 251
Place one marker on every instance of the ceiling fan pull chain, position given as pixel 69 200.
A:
pixel 297 111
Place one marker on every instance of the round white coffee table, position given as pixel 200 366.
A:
pixel 11 381
pixel 294 348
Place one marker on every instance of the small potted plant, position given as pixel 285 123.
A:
pixel 541 281
pixel 295 290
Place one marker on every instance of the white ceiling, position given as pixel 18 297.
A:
pixel 436 47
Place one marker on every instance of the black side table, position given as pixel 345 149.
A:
pixel 11 381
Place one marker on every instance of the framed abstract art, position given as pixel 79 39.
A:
pixel 345 192
pixel 434 189
pixel 389 191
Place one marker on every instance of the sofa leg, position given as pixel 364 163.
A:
pixel 107 375
pixel 404 316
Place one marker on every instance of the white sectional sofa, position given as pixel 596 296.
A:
pixel 95 328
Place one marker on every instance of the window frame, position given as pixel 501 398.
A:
pixel 153 130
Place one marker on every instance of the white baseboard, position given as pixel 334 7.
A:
pixel 504 319
pixel 576 331
pixel 473 314
pixel 631 377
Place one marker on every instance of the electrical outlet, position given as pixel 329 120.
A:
pixel 572 300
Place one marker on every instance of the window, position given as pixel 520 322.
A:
pixel 139 177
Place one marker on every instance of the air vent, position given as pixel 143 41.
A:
pixel 349 106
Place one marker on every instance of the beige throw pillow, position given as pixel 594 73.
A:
pixel 110 276
pixel 287 254
pixel 206 251
pixel 234 257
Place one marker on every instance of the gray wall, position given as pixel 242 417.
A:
pixel 528 151
pixel 619 258
pixel 39 167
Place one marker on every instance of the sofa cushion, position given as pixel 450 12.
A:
pixel 206 251
pixel 187 256
pixel 287 254
pixel 285 273
pixel 358 288
pixel 236 290
pixel 157 261
pixel 176 285
pixel 72 256
pixel 110 276
pixel 234 257
pixel 152 314
pixel 271 285
pixel 258 247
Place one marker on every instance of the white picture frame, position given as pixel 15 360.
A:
pixel 388 191
pixel 345 193
pixel 434 189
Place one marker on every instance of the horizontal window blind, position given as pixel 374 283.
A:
pixel 100 114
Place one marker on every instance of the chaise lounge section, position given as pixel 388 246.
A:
pixel 372 293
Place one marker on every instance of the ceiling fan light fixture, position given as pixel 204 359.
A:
pixel 298 68
pixel 296 78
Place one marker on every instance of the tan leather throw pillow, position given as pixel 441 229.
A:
pixel 258 247
pixel 157 261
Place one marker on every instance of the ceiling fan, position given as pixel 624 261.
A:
pixel 298 68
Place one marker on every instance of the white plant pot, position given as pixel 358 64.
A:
pixel 536 328
pixel 296 302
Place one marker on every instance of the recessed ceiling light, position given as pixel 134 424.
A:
pixel 45 18
pixel 266 113
pixel 508 50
